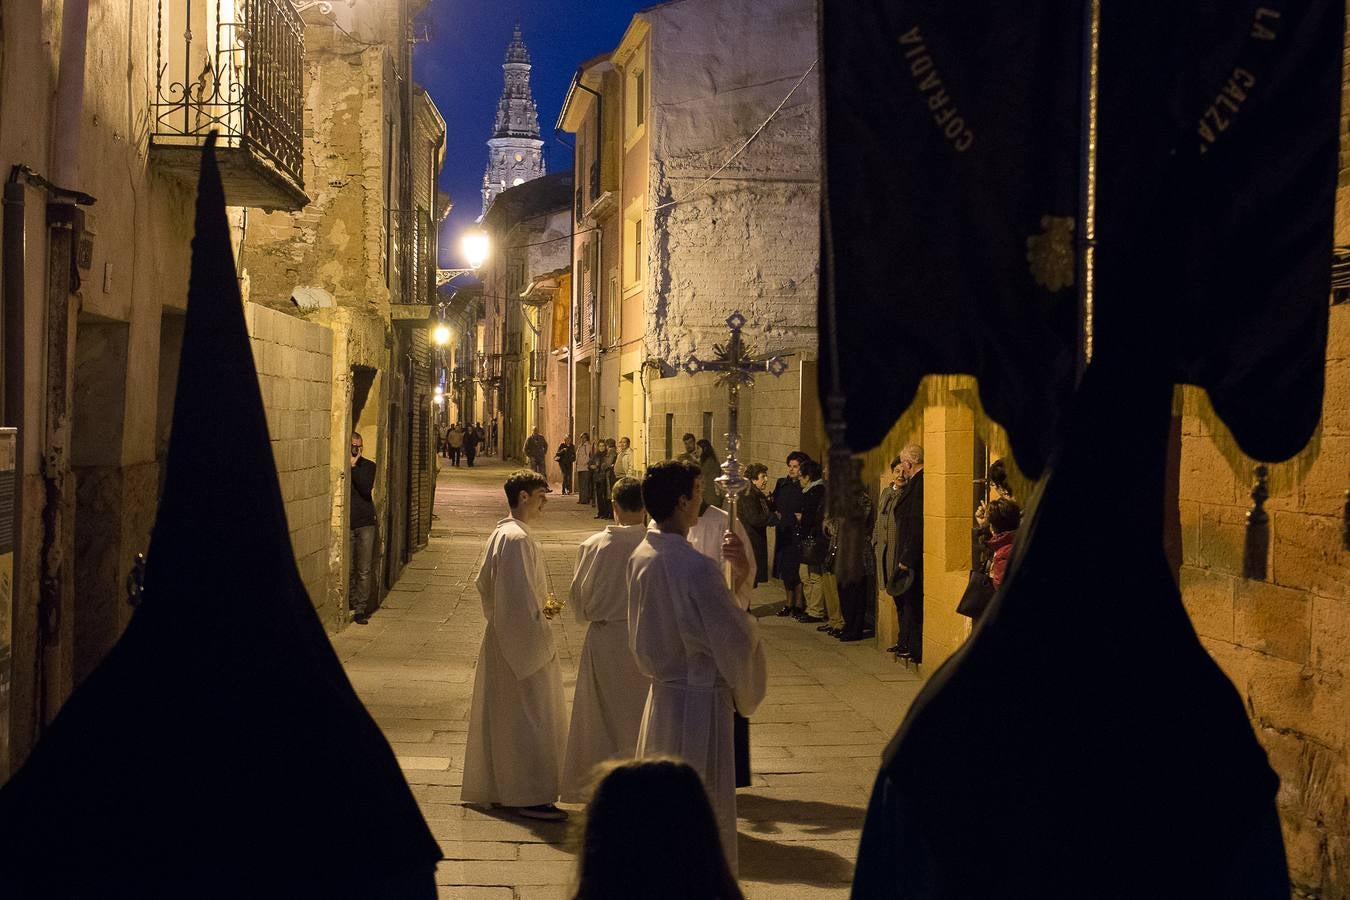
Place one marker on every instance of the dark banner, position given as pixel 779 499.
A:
pixel 951 168
pixel 1218 157
pixel 953 136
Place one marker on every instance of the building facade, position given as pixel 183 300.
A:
pixel 529 227
pixel 359 260
pixel 681 222
pixel 103 147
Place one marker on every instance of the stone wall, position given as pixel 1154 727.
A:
pixel 294 360
pixel 747 240
pixel 1285 642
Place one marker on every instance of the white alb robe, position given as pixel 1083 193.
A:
pixel 706 537
pixel 703 653
pixel 516 726
pixel 611 692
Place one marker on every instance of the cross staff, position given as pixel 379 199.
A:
pixel 735 366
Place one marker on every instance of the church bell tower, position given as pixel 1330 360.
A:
pixel 515 151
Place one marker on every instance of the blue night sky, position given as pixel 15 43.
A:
pixel 461 67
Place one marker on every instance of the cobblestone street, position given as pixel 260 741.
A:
pixel 830 709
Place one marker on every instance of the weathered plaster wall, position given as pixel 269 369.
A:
pixel 294 363
pixel 747 240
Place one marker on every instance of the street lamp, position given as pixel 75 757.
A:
pixel 475 248
pixel 441 335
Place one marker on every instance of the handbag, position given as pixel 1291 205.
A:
pixel 975 599
pixel 812 546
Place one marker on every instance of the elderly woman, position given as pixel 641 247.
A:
pixel 755 510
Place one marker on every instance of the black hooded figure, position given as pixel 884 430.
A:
pixel 1056 754
pixel 219 750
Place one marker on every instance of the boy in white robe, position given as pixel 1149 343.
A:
pixel 694 639
pixel 516 736
pixel 706 537
pixel 611 692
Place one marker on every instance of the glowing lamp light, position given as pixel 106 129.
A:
pixel 441 335
pixel 474 247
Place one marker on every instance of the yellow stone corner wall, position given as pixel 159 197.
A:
pixel 947 431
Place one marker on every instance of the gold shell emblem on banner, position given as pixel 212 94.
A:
pixel 1050 253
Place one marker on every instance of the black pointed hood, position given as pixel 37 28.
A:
pixel 219 749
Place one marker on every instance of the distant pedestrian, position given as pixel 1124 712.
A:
pixel 606 454
pixel 536 450
pixel 566 458
pixel 585 469
pixel 456 441
pixel 361 521
pixel 513 756
pixel 471 441
pixel 443 439
pixel 619 854
pixel 711 467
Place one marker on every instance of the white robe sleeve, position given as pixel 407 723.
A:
pixel 522 632
pixel 582 581
pixel 732 635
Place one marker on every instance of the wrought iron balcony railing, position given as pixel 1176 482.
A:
pixel 235 67
pixel 539 368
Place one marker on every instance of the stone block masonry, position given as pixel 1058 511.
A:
pixel 1284 642
pixel 294 361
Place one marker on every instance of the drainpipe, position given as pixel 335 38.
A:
pixel 63 223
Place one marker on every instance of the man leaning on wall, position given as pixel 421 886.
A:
pixel 361 516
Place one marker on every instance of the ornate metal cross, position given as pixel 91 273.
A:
pixel 736 367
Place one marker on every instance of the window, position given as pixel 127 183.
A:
pixel 635 103
pixel 640 95
pixel 635 258
pixel 670 435
pixel 707 426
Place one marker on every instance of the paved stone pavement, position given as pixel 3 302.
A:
pixel 815 741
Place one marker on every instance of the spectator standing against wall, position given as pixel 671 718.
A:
pixel 907 575
pixel 755 510
pixel 787 500
pixel 565 458
pixel 361 521
pixel 585 468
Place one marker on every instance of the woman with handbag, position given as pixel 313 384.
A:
pixel 606 454
pixel 813 543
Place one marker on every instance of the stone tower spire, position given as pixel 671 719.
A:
pixel 515 151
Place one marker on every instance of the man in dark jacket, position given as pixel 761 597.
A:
pixel 536 447
pixel 361 520
pixel 905 583
pixel 787 500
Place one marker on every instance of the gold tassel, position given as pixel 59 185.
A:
pixel 1283 477
pixel 1257 547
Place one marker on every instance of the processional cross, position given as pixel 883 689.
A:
pixel 736 365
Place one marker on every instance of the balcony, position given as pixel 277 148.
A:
pixel 235 67
pixel 539 360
